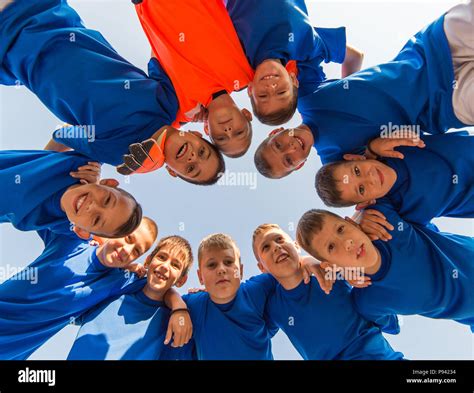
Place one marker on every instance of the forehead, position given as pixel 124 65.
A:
pixel 215 251
pixel 270 234
pixel 143 234
pixel 173 251
pixel 330 225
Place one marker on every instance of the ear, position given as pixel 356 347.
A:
pixel 247 114
pixel 299 166
pixel 276 131
pixel 181 281
pixel 170 171
pixel 206 128
pixel 241 270
pixel 109 183
pixel 147 261
pixel 325 265
pixel 98 239
pixel 353 157
pixel 363 205
pixel 196 133
pixel 297 246
pixel 261 267
pixel 200 277
pixel 294 79
pixel 81 233
pixel 351 221
pixel 250 89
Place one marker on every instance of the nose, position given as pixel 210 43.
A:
pixel 220 269
pixel 349 244
pixel 191 156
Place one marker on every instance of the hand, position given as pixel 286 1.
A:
pixel 201 116
pixel 360 282
pixel 384 147
pixel 136 268
pixel 352 61
pixel 196 290
pixel 144 157
pixel 310 266
pixel 88 174
pixel 180 329
pixel 373 223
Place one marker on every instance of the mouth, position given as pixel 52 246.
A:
pixel 282 258
pixel 381 177
pixel 116 257
pixel 182 151
pixel 223 281
pixel 160 276
pixel 79 202
pixel 361 251
pixel 269 77
pixel 300 141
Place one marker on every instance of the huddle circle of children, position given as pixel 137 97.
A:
pixel 359 274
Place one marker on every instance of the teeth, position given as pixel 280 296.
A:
pixel 160 276
pixel 80 202
pixel 182 151
pixel 300 141
pixel 282 257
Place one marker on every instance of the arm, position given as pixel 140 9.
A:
pixel 56 146
pixel 180 327
pixel 352 62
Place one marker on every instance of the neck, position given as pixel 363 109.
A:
pixel 100 253
pixel 291 282
pixel 376 266
pixel 223 300
pixel 152 294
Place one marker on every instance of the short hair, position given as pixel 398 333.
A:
pixel 220 169
pixel 131 224
pixel 327 186
pixel 219 241
pixel 310 224
pixel 238 155
pixel 262 165
pixel 260 230
pixel 184 250
pixel 279 117
pixel 151 226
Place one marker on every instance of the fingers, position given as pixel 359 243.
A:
pixel 376 216
pixel 393 154
pixel 353 157
pixel 169 334
pixel 306 276
pixel 123 169
pixel 372 228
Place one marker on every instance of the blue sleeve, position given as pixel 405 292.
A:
pixel 259 289
pixel 77 75
pixel 333 42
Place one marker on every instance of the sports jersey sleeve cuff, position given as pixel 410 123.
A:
pixel 334 40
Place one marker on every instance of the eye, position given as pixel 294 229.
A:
pixel 281 93
pixel 96 221
pixel 240 133
pixel 190 169
pixel 265 247
pixel 161 257
pixel 107 200
pixel 289 161
pixel 277 145
pixel 340 229
pixel 331 247
pixel 361 190
pixel 211 265
pixel 357 171
pixel 279 239
pixel 229 262
pixel 128 239
pixel 136 253
pixel 261 96
pixel 220 139
pixel 176 265
pixel 201 151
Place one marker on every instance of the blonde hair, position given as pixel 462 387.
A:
pixel 219 241
pixel 183 247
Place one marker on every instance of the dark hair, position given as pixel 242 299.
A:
pixel 310 224
pixel 326 186
pixel 220 169
pixel 246 148
pixel 182 244
pixel 279 117
pixel 262 165
pixel 131 224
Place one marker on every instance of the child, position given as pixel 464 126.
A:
pixel 110 103
pixel 274 35
pixel 420 271
pixel 205 63
pixel 434 181
pixel 67 279
pixel 415 90
pixel 38 193
pixel 133 326
pixel 321 327
pixel 228 319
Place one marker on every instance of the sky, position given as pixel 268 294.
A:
pixel 379 29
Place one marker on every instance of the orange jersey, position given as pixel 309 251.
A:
pixel 196 44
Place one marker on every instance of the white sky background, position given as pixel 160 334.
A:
pixel 378 28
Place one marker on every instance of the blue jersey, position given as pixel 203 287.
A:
pixel 66 280
pixel 77 74
pixel 33 183
pixel 130 327
pixel 236 330
pixel 436 181
pixel 327 327
pixel 270 29
pixel 423 272
pixel 414 89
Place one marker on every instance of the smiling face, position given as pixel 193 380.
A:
pixel 97 208
pixel 118 253
pixel 287 149
pixel 277 254
pixel 165 269
pixel 220 272
pixel 190 156
pixel 272 87
pixel 230 129
pixel 343 244
pixel 360 181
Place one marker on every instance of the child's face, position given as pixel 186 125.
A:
pixel 287 149
pixel 190 156
pixel 229 129
pixel 364 180
pixel 277 254
pixel 220 272
pixel 272 87
pixel 97 208
pixel 118 253
pixel 165 269
pixel 343 244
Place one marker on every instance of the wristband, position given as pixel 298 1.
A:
pixel 179 309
